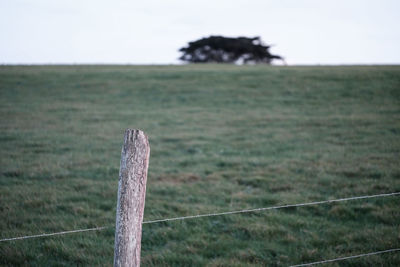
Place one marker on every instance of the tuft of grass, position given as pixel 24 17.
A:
pixel 222 138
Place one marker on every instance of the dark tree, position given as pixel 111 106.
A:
pixel 219 49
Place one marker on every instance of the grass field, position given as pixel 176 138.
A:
pixel 222 138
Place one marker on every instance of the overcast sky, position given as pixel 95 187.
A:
pixel 152 31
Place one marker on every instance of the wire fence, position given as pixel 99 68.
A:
pixel 347 258
pixel 235 212
pixel 54 234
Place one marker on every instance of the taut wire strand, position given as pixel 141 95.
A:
pixel 209 215
pixel 348 257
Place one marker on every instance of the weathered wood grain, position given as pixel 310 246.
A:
pixel 131 198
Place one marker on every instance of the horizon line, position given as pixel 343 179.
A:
pixel 200 64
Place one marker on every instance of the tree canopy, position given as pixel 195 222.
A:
pixel 219 49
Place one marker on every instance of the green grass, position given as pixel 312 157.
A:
pixel 222 138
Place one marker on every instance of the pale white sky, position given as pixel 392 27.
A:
pixel 152 31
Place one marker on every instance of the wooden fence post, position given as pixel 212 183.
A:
pixel 131 196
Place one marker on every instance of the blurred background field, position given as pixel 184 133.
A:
pixel 222 138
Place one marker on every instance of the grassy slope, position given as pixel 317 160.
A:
pixel 223 138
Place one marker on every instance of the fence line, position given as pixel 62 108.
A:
pixel 347 258
pixel 58 233
pixel 209 215
pixel 272 208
